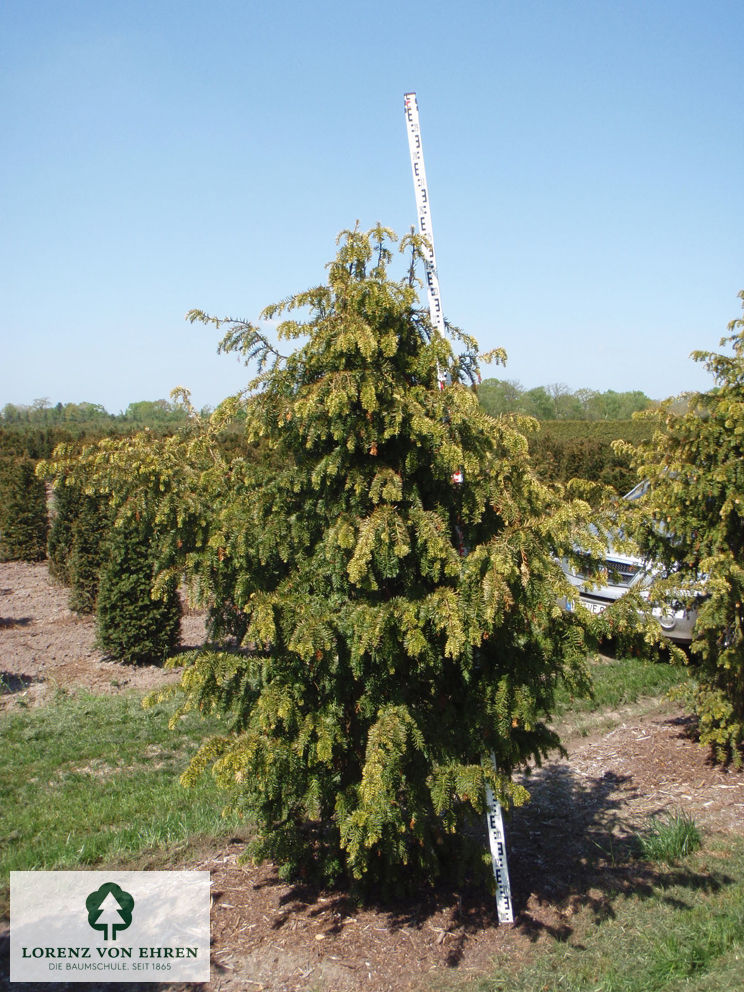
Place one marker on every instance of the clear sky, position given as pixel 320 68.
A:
pixel 584 160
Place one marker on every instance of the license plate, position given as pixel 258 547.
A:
pixel 595 607
pixel 592 607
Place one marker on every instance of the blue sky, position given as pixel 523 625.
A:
pixel 584 163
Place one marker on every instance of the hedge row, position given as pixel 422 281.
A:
pixel 109 569
pixel 109 566
pixel 23 511
pixel 582 449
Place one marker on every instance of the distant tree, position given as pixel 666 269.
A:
pixel 500 396
pixel 83 412
pixel 539 403
pixel 566 405
pixel 633 402
pixel 587 399
pixel 557 402
pixel 621 406
pixel 12 414
pixel 692 521
pixel 154 411
pixel 41 410
pixel 42 414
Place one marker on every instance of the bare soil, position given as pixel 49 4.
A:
pixel 568 849
pixel 44 645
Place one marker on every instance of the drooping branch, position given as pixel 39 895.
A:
pixel 242 337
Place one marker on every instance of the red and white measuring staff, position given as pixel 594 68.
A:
pixel 494 817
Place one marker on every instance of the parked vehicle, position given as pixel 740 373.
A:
pixel 596 589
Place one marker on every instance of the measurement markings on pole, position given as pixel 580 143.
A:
pixel 424 212
pixel 497 841
pixel 494 818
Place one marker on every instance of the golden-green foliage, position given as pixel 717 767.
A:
pixel 108 541
pixel 398 627
pixel 383 629
pixel 692 520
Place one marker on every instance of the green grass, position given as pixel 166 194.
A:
pixel 667 839
pixel 621 682
pixel 686 934
pixel 91 779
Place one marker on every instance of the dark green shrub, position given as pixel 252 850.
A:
pixel 564 450
pixel 77 541
pixel 88 553
pixel 65 508
pixel 23 512
pixel 132 626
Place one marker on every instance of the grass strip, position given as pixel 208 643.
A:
pixel 91 779
pixel 620 682
pixel 668 838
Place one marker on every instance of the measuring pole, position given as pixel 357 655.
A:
pixel 497 842
pixel 494 817
pixel 424 218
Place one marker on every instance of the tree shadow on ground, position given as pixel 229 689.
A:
pixel 450 913
pixel 9 623
pixel 11 682
pixel 572 847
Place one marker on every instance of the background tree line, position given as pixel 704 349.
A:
pixel 560 450
pixel 557 402
pixel 552 402
pixel 42 413
pixel 574 438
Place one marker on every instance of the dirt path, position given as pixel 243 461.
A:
pixel 44 645
pixel 565 847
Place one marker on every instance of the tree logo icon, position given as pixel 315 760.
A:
pixel 109 909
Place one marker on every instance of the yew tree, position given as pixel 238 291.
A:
pixel 132 625
pixel 23 512
pixel 119 516
pixel 691 520
pixel 392 570
pixel 78 536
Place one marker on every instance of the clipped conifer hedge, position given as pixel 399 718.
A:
pixel 77 545
pixel 23 512
pixel 133 626
pixel 583 449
